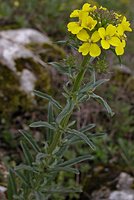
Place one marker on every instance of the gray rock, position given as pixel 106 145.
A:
pixel 13 45
pixel 122 195
pixel 125 181
pixel 27 81
pixel 125 192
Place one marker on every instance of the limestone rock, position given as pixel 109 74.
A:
pixel 13 45
pixel 27 81
pixel 124 185
pixel 122 195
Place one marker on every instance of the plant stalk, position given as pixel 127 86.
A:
pixel 64 122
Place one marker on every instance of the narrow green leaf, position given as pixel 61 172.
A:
pixel 93 85
pixel 67 109
pixel 42 124
pixel 30 140
pixel 103 102
pixel 50 120
pixel 74 139
pixel 75 161
pixel 25 167
pixel 96 135
pixel 27 154
pixel 60 68
pixel 49 98
pixel 83 137
pixel 87 128
pixel 12 187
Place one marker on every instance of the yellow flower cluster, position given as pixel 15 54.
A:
pixel 99 28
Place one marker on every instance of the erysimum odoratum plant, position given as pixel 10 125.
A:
pixel 94 31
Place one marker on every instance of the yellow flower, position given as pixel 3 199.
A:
pixel 87 7
pixel 88 23
pixel 75 13
pixel 119 50
pixel 89 45
pixel 108 37
pixel 124 26
pixel 75 27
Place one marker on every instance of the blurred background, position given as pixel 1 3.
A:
pixel 29 31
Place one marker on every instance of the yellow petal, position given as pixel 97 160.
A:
pixel 105 44
pixel 83 35
pixel 84 49
pixel 102 32
pixel 114 41
pixel 120 30
pixel 88 22
pixel 75 13
pixel 95 37
pixel 110 30
pixel 119 50
pixel 94 50
pixel 123 43
pixel 74 27
pixel 86 7
pixel 82 14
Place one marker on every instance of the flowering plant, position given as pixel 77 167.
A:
pixel 99 28
pixel 96 29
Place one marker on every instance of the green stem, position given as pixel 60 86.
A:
pixel 80 75
pixel 76 86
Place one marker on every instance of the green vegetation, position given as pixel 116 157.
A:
pixel 114 151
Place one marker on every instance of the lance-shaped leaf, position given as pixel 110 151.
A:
pixel 12 188
pixel 49 98
pixel 75 161
pixel 87 128
pixel 93 85
pixel 60 68
pixel 103 102
pixel 50 120
pixel 25 167
pixel 42 124
pixel 67 110
pixel 74 139
pixel 27 154
pixel 82 136
pixel 28 137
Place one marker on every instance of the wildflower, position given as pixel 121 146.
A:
pixel 124 26
pixel 99 27
pixel 89 45
pixel 108 36
pixel 85 8
pixel 75 27
pixel 89 23
pixel 120 48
